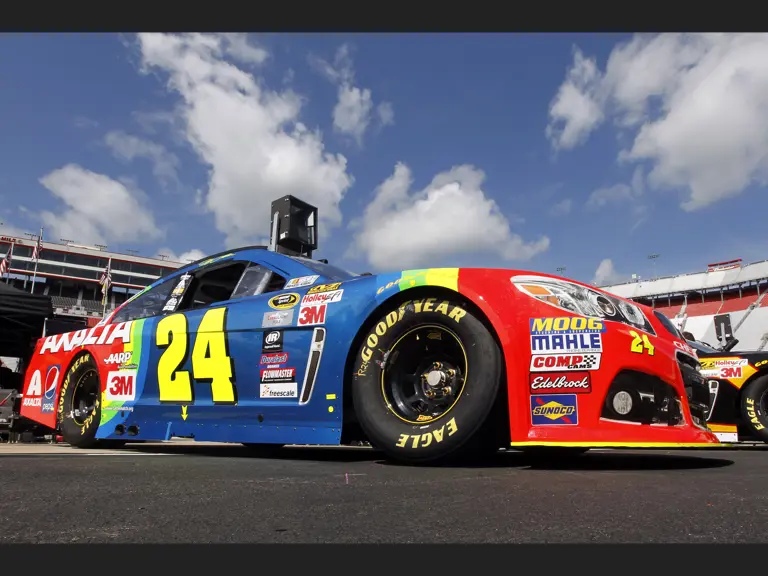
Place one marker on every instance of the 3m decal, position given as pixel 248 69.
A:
pixel 324 288
pixel 752 415
pixel 121 386
pixel 119 358
pixel 561 383
pixel 417 441
pixel 210 360
pixel 417 307
pixel 641 344
pixel 278 375
pixel 87 337
pixel 560 362
pixel 278 390
pixel 49 391
pixel 312 314
pixel 33 396
pixel 275 319
pixel 322 297
pixel 284 301
pixel 274 358
pixel 730 372
pixel 273 341
pixel 554 410
pixel 572 324
pixel 301 281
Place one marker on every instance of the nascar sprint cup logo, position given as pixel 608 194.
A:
pixel 561 383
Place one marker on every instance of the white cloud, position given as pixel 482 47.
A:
pixel 452 215
pixel 239 48
pixel 249 136
pixel 184 257
pixel 606 274
pixel 631 197
pixel 127 148
pixel 562 208
pixel 99 209
pixel 695 103
pixel 352 114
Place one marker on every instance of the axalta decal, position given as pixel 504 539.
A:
pixel 427 305
pixel 87 337
pixel 445 277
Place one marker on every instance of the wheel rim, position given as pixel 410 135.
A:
pixel 424 374
pixel 85 396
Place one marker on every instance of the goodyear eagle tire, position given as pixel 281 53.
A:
pixel 79 409
pixel 426 381
pixel 754 404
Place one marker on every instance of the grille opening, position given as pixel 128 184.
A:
pixel 642 399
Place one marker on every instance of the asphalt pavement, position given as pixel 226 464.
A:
pixel 182 492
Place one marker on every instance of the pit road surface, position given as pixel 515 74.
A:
pixel 186 492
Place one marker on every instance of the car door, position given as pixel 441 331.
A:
pixel 228 353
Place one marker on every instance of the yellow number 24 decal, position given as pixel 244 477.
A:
pixel 210 361
pixel 641 342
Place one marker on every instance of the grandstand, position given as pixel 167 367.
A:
pixel 693 300
pixel 70 274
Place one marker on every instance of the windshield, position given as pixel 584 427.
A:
pixel 331 272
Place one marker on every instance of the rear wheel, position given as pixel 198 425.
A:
pixel 754 407
pixel 426 379
pixel 79 409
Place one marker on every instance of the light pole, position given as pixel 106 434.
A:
pixel 653 258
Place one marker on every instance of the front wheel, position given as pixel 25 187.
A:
pixel 426 379
pixel 754 407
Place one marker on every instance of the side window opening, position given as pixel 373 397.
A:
pixel 258 280
pixel 146 305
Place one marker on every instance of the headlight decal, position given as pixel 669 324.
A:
pixel 582 300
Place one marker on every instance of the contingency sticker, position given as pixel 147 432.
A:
pixel 277 318
pixel 301 281
pixel 554 409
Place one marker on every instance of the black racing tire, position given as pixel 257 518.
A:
pixel 263 450
pixel 754 407
pixel 79 409
pixel 390 391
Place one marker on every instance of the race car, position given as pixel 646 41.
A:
pixel 738 385
pixel 267 349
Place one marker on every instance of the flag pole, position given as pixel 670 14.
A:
pixel 105 287
pixel 37 259
pixel 8 259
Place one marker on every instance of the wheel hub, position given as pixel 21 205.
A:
pixel 438 380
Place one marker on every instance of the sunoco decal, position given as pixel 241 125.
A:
pixel 554 410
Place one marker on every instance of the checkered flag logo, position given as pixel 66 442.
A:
pixel 590 361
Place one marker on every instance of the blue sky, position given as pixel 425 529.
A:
pixel 519 151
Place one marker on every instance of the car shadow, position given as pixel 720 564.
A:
pixel 602 460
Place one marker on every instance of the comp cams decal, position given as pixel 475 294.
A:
pixel 301 282
pixel 554 410
pixel 558 362
pixel 560 383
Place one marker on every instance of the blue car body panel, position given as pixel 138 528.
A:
pixel 252 418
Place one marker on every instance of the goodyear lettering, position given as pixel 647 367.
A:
pixel 752 415
pixel 566 324
pixel 79 362
pixel 456 313
pixel 417 441
pixel 761 363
